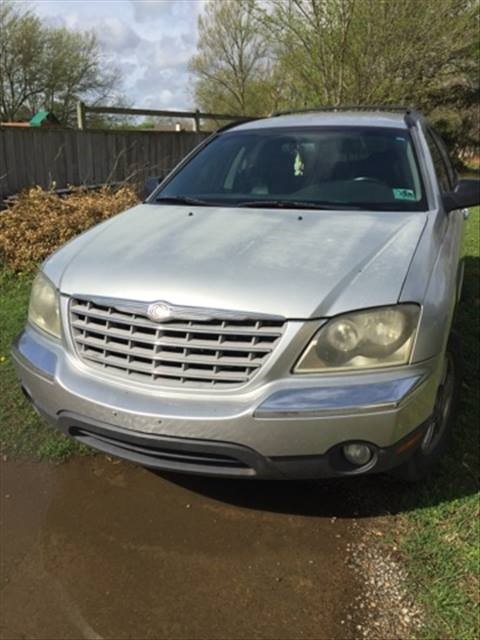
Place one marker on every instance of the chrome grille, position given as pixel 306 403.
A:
pixel 187 352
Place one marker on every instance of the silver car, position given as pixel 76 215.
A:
pixel 280 306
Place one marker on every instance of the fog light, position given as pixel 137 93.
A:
pixel 357 454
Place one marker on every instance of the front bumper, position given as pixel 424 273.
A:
pixel 291 427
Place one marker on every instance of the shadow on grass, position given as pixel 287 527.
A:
pixel 456 476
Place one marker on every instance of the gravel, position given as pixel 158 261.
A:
pixel 384 609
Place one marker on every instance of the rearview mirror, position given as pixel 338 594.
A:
pixel 465 194
pixel 151 183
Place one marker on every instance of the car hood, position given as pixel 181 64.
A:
pixel 296 264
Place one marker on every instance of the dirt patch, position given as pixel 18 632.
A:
pixel 98 549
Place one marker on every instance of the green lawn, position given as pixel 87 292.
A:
pixel 442 535
pixel 438 530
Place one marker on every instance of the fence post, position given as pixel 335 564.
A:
pixel 81 115
pixel 197 121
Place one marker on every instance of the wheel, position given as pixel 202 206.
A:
pixel 437 435
pixel 369 179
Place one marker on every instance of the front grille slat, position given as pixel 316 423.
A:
pixel 179 352
pixel 181 343
pixel 264 327
pixel 94 321
pixel 169 356
pixel 159 370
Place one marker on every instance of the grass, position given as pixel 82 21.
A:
pixel 439 520
pixel 22 432
pixel 441 534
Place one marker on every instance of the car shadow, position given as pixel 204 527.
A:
pixel 365 497
pixel 456 477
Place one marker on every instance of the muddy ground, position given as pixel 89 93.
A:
pixel 101 549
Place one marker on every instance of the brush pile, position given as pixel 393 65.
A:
pixel 40 221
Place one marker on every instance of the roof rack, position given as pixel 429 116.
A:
pixel 352 107
pixel 229 125
pixel 411 115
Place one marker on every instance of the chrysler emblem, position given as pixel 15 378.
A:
pixel 159 312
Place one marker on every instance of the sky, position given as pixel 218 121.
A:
pixel 150 42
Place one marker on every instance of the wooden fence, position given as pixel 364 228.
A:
pixel 72 157
pixel 197 116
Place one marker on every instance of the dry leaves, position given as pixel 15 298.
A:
pixel 40 221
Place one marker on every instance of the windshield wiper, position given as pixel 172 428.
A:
pixel 182 200
pixel 270 204
pixel 292 204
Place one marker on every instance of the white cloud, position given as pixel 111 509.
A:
pixel 150 42
pixel 167 51
pixel 116 35
pixel 167 84
pixel 152 10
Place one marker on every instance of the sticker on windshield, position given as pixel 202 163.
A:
pixel 403 194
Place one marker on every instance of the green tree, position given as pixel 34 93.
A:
pixel 311 43
pixel 454 107
pixel 370 51
pixel 48 68
pixel 256 56
pixel 232 64
pixel 21 72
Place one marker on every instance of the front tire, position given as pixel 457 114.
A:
pixel 437 435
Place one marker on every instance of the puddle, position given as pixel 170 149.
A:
pixel 95 549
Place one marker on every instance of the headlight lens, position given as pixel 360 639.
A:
pixel 363 339
pixel 44 309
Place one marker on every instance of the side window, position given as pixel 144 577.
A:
pixel 439 163
pixel 452 174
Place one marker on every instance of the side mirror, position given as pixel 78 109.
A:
pixel 465 194
pixel 151 183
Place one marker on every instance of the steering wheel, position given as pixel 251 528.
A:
pixel 369 179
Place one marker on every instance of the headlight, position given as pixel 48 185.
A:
pixel 44 310
pixel 363 339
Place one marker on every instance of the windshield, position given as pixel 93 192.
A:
pixel 342 168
